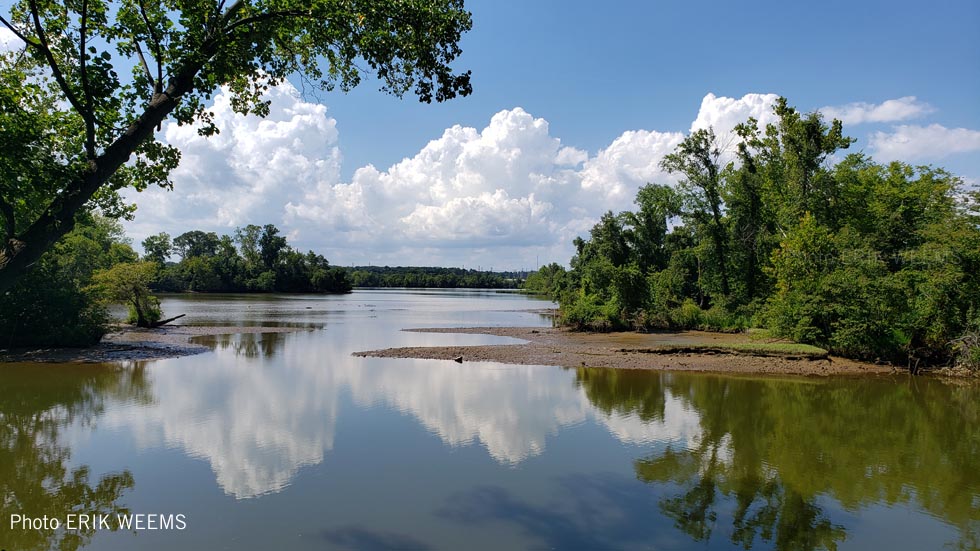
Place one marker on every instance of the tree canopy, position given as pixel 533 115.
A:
pixel 867 260
pixel 94 79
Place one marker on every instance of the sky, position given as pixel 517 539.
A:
pixel 574 105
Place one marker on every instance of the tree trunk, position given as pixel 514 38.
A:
pixel 21 252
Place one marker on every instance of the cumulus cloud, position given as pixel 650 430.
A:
pixel 893 110
pixel 912 143
pixel 248 172
pixel 507 195
pixel 723 114
pixel 469 187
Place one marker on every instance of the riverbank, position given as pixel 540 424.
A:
pixel 127 344
pixel 674 351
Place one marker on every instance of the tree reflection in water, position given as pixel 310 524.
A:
pixel 37 403
pixel 248 345
pixel 770 450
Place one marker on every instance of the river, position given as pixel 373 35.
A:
pixel 286 441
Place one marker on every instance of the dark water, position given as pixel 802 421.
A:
pixel 285 441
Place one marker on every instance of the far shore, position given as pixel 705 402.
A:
pixel 673 351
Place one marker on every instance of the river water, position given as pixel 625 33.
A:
pixel 286 441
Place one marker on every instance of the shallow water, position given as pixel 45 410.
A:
pixel 286 441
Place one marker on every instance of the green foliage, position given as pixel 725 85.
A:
pixel 81 102
pixel 867 260
pixel 431 277
pixel 263 262
pixel 158 248
pixel 129 283
pixel 54 307
pixel 547 281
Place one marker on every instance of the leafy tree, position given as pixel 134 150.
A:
pixel 657 205
pixel 248 241
pixel 196 243
pixel 129 283
pixel 87 126
pixel 697 161
pixel 158 247
pixel 548 280
pixel 271 245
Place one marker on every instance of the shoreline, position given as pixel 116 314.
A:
pixel 676 351
pixel 129 344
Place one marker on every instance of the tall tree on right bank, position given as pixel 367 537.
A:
pixel 697 161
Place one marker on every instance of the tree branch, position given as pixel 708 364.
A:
pixel 157 50
pixel 19 34
pixel 83 70
pixel 146 67
pixel 55 69
pixel 265 17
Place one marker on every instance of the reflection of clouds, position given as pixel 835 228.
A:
pixel 256 425
pixel 258 420
pixel 510 410
pixel 681 424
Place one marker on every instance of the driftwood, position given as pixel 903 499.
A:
pixel 165 322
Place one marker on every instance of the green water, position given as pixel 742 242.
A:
pixel 286 441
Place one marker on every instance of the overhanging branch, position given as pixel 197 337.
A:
pixel 59 77
pixel 19 34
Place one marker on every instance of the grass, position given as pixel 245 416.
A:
pixel 773 349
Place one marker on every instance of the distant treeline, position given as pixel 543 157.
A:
pixel 433 277
pixel 255 259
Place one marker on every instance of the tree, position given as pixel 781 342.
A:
pixel 196 243
pixel 697 161
pixel 89 128
pixel 271 246
pixel 658 204
pixel 54 306
pixel 158 247
pixel 129 283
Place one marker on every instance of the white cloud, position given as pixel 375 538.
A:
pixel 723 114
pixel 248 172
pixel 631 160
pixel 912 143
pixel 893 110
pixel 507 195
pixel 8 40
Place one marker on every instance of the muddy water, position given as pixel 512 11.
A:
pixel 286 441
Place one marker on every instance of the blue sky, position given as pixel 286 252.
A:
pixel 574 105
pixel 595 70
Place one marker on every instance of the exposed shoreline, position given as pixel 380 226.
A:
pixel 677 351
pixel 128 344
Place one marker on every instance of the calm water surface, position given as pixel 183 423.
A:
pixel 286 441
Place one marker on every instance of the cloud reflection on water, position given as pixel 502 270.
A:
pixel 258 418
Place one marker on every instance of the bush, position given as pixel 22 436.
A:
pixel 687 316
pixel 48 308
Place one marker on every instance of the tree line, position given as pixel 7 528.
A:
pixel 254 259
pixel 433 277
pixel 869 260
pixel 65 300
